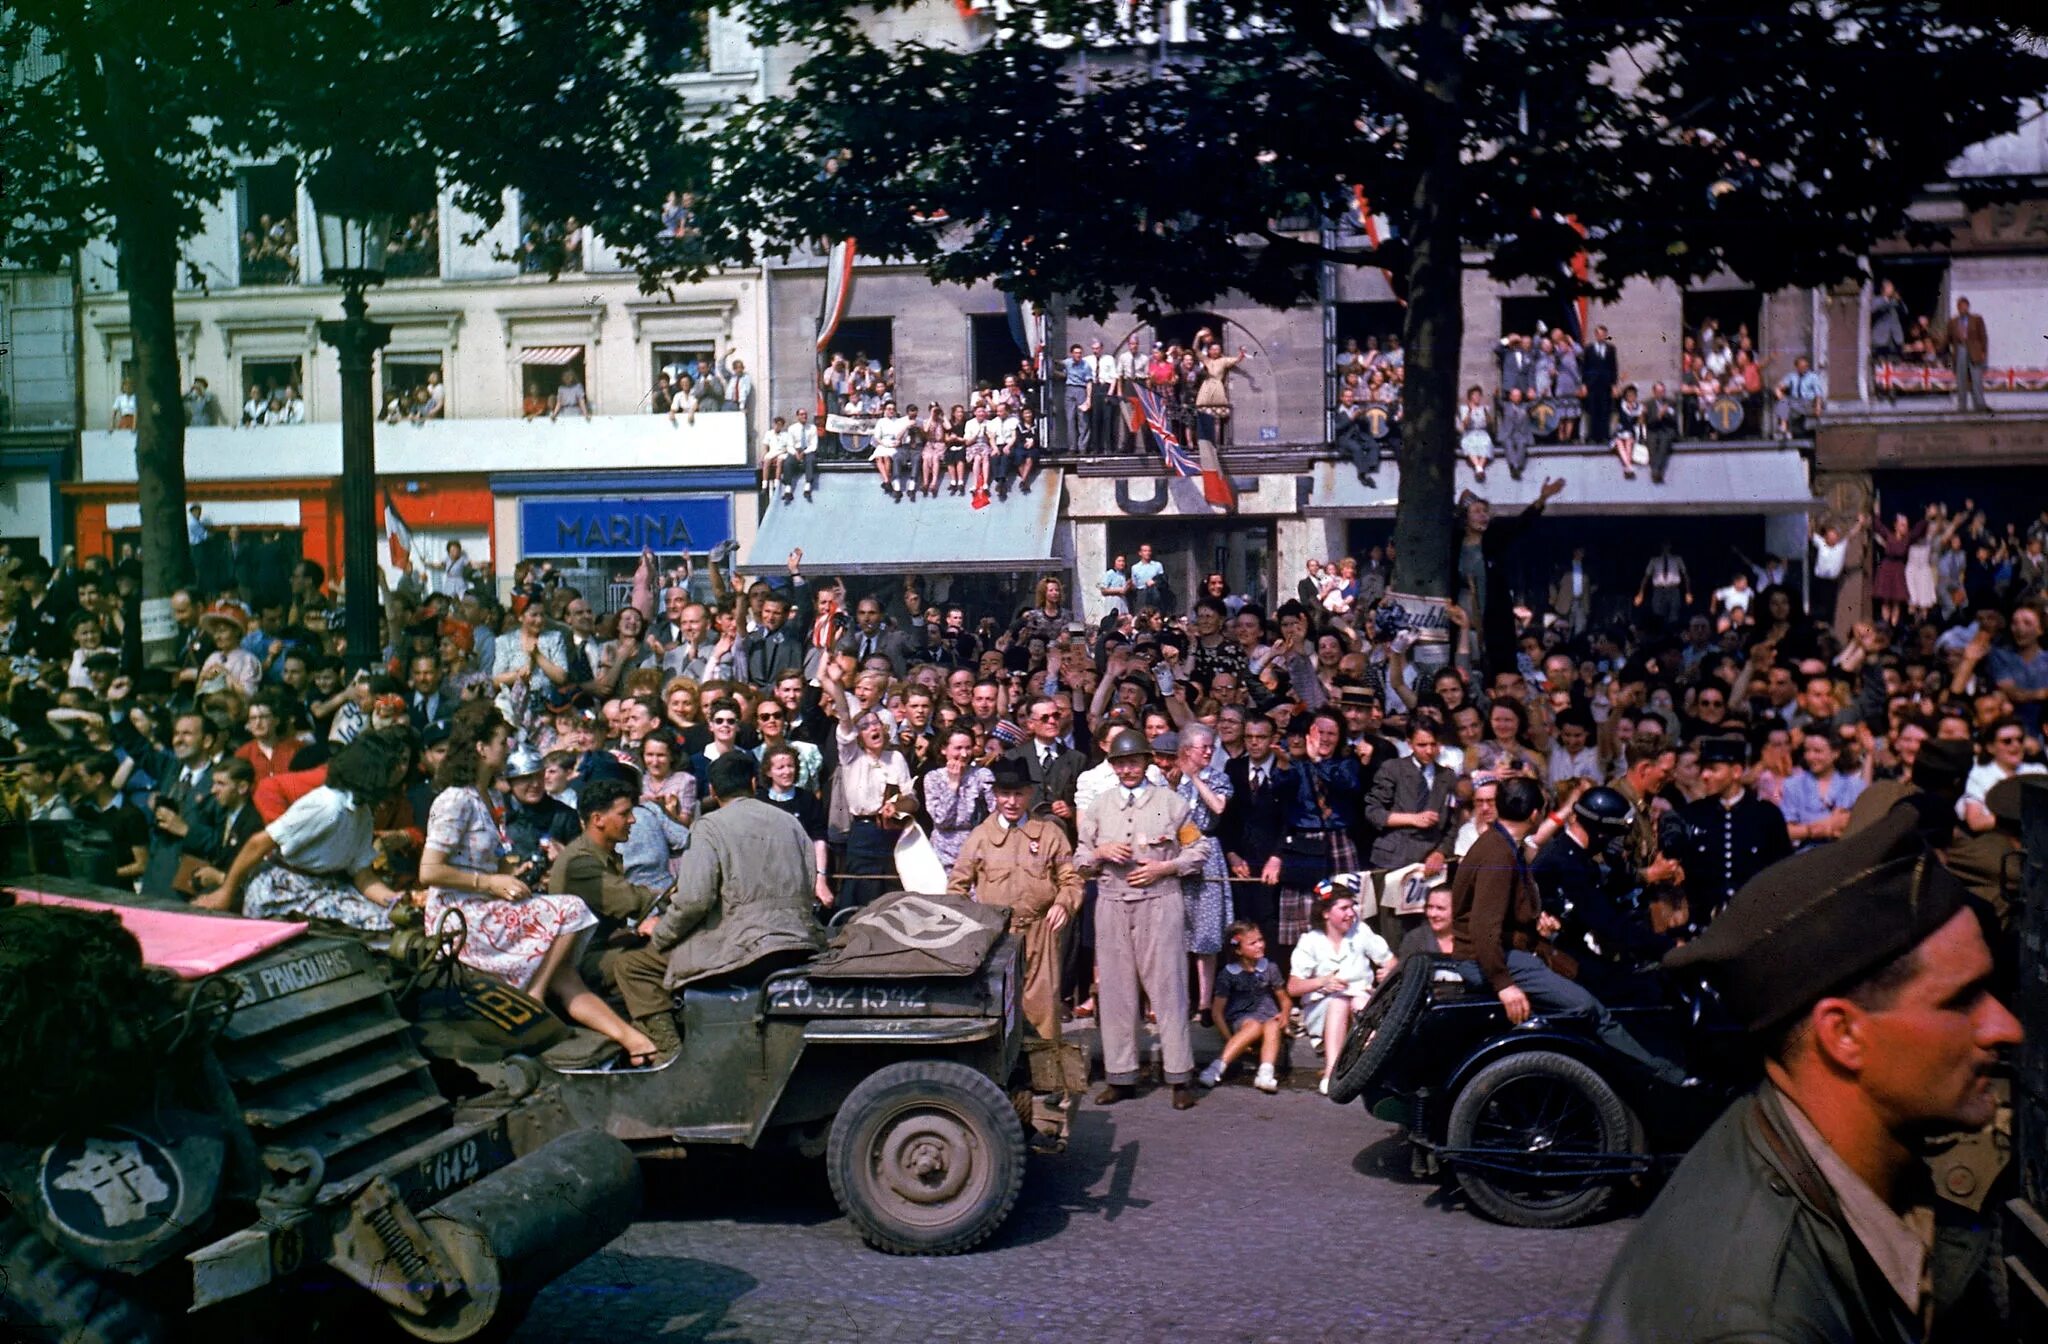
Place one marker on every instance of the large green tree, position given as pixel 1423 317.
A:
pixel 1686 139
pixel 126 119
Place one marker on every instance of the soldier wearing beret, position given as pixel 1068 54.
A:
pixel 1807 1211
pixel 1026 865
pixel 1727 836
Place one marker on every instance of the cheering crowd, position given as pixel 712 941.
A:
pixel 1244 813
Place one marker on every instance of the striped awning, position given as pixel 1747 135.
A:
pixel 551 354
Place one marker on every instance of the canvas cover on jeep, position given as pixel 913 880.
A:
pixel 906 934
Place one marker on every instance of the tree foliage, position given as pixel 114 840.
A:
pixel 1066 159
pixel 126 119
pixel 1774 142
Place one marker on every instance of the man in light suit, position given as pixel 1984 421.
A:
pixel 1410 806
pixel 1517 366
pixel 1139 843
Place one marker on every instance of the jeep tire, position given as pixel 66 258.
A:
pixel 926 1158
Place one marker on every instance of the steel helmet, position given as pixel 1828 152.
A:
pixel 1603 809
pixel 1129 742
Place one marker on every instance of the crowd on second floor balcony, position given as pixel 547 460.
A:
pixel 270 252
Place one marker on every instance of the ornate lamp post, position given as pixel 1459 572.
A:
pixel 354 228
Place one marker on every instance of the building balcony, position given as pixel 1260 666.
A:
pixel 604 443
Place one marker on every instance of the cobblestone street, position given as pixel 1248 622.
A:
pixel 1250 1218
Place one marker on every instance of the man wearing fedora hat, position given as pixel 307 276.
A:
pixel 1807 1212
pixel 1025 864
pixel 1725 837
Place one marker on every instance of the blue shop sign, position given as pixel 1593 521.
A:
pixel 557 526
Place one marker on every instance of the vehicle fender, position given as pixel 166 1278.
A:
pixel 1536 1036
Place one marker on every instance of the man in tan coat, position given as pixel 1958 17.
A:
pixel 1026 865
pixel 1138 842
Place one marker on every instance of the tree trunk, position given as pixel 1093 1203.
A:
pixel 143 216
pixel 1425 536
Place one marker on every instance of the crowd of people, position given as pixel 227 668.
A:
pixel 1246 813
pixel 270 252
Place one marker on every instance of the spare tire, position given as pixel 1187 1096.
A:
pixel 1378 1030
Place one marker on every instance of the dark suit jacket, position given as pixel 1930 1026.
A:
pixel 1055 783
pixel 1599 369
pixel 1253 819
pixel 194 803
pixel 437 709
pixel 890 643
pixel 219 841
pixel 1398 786
pixel 1517 369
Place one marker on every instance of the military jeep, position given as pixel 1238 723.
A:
pixel 291 1127
pixel 920 1092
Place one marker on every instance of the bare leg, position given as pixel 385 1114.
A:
pixel 1241 1040
pixel 1336 1023
pixel 559 978
pixel 1205 978
pixel 1269 1040
pixel 882 468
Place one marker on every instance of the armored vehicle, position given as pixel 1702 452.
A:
pixel 274 1128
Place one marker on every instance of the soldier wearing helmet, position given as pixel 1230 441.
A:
pixel 1588 885
pixel 1138 841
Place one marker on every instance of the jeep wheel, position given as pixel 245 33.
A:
pixel 48 1296
pixel 926 1157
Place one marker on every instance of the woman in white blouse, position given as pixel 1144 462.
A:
pixel 1335 966
pixel 875 784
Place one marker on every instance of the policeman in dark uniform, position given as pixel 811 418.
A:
pixel 1585 881
pixel 1728 836
pixel 1808 1211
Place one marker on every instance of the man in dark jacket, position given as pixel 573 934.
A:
pixel 1808 1212
pixel 1601 371
pixel 1054 767
pixel 1482 580
pixel 1501 936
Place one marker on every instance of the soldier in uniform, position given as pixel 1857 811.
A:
pixel 1586 884
pixel 1728 836
pixel 742 903
pixel 590 869
pixel 1026 865
pixel 1807 1212
pixel 1138 842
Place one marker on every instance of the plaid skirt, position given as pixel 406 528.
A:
pixel 1297 903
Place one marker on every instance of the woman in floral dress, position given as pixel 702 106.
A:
pixel 957 795
pixel 1208 791
pixel 526 938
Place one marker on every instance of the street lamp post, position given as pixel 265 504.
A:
pixel 352 240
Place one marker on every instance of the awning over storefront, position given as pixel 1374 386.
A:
pixel 852 528
pixel 1700 480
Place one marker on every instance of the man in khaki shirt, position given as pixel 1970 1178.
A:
pixel 1138 842
pixel 1026 865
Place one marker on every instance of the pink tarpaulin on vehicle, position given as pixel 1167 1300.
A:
pixel 187 945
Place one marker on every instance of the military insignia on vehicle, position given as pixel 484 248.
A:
pixel 111 1186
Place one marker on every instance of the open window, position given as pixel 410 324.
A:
pixel 993 352
pixel 1534 314
pixel 872 339
pixel 403 376
pixel 272 381
pixel 267 211
pixel 541 370
pixel 1735 313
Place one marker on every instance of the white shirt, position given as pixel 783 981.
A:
pixel 1103 367
pixel 1983 778
pixel 774 444
pixel 1581 764
pixel 889 431
pixel 1002 431
pixel 1351 960
pixel 1829 560
pixel 802 438
pixel 1735 599
pixel 325 832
